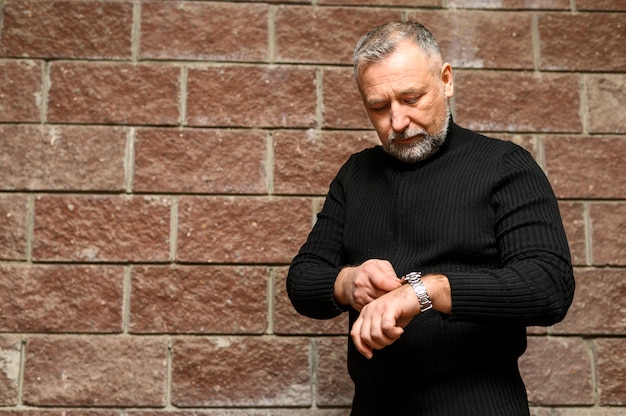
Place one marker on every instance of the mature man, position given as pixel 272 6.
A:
pixel 470 222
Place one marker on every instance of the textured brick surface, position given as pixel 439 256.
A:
pixel 586 167
pixel 573 215
pixel 13 226
pixel 566 380
pixel 200 161
pixel 334 386
pixel 10 353
pixel 265 97
pixel 306 34
pixel 608 5
pixel 608 228
pixel 611 369
pixel 240 372
pixel 512 106
pixel 511 4
pixel 21 90
pixel 194 30
pixel 288 322
pixel 198 300
pixel 62 158
pixel 606 102
pixel 242 230
pixel 306 161
pixel 471 43
pixel 599 305
pixel 69 29
pixel 113 93
pixel 582 42
pixel 59 298
pixel 101 228
pixel 95 371
pixel 342 104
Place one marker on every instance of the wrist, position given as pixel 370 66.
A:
pixel 414 280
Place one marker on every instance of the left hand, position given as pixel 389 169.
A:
pixel 382 321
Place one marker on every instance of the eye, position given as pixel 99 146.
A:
pixel 412 100
pixel 380 108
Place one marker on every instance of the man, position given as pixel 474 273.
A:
pixel 472 223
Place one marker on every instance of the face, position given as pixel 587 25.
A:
pixel 406 99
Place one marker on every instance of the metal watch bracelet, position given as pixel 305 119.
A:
pixel 414 279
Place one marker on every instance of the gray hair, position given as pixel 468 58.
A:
pixel 383 40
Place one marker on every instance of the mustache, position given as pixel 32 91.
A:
pixel 406 134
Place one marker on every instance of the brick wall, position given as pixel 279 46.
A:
pixel 162 161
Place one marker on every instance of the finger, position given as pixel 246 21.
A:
pixel 355 333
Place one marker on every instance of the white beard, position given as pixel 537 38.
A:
pixel 420 150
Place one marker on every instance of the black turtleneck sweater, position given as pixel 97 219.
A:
pixel 480 211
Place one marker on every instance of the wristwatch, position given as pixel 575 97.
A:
pixel 414 279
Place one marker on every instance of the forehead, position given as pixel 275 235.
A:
pixel 406 68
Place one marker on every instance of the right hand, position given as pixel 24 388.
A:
pixel 359 285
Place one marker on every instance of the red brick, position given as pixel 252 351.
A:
pixel 217 299
pixel 289 322
pixel 10 359
pixel 242 230
pixel 59 412
pixel 95 371
pixel 101 228
pixel 63 157
pixel 598 411
pixel 369 3
pixel 586 167
pixel 41 298
pixel 511 101
pixel 21 91
pixel 582 42
pixel 599 304
pixel 324 34
pixel 247 371
pixel 566 380
pixel 334 385
pixel 530 142
pixel 113 93
pixel 264 97
pixel 220 31
pixel 608 5
pixel 13 226
pixel 608 228
pixel 471 43
pixel 307 161
pixel 606 102
pixel 611 356
pixel 510 4
pixel 342 107
pixel 200 161
pixel 573 216
pixel 67 29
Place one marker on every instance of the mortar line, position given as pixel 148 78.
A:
pixel 182 105
pixel 135 34
pixel 270 300
pixel 536 41
pixel 174 228
pixel 588 233
pixel 129 160
pixel 583 111
pixel 270 160
pixel 271 35
pixel 319 108
pixel 126 299
pixel 30 227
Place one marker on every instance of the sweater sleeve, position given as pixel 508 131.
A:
pixel 312 274
pixel 535 283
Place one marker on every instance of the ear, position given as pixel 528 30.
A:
pixel 447 79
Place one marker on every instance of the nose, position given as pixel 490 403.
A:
pixel 399 118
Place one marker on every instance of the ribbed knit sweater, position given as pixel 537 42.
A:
pixel 480 211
